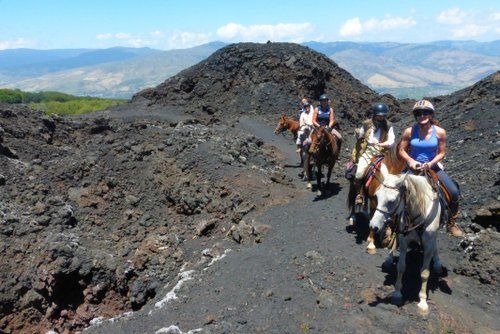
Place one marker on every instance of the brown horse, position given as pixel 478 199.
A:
pixel 391 164
pixel 325 150
pixel 287 123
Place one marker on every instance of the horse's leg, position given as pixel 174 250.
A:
pixel 437 266
pixel 350 203
pixel 309 170
pixel 329 174
pixel 397 297
pixel 387 265
pixel 318 177
pixel 370 248
pixel 429 245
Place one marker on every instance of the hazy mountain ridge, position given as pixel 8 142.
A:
pixel 402 69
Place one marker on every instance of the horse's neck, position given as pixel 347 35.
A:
pixel 421 200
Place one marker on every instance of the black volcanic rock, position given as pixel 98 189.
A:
pixel 471 118
pixel 265 79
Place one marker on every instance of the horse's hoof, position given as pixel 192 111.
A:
pixel 318 192
pixel 309 185
pixel 397 298
pixel 423 308
pixel 371 251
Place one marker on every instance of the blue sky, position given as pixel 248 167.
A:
pixel 50 24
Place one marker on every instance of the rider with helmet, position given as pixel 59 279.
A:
pixel 423 146
pixel 324 116
pixel 374 137
pixel 305 123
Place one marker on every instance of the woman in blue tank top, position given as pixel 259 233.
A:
pixel 423 146
pixel 324 115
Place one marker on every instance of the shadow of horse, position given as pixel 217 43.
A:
pixel 329 190
pixel 411 278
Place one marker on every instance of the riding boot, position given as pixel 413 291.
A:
pixel 451 224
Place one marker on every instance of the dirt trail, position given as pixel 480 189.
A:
pixel 308 275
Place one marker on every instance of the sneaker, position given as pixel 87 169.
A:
pixel 359 199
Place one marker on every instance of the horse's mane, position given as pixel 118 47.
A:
pixel 419 193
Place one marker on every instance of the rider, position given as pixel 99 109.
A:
pixel 305 123
pixel 375 136
pixel 423 146
pixel 324 116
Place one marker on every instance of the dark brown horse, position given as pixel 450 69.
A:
pixel 287 123
pixel 325 150
pixel 391 164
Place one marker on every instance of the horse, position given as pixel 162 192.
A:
pixel 325 150
pixel 390 164
pixel 287 123
pixel 415 203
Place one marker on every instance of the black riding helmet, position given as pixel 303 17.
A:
pixel 323 97
pixel 380 109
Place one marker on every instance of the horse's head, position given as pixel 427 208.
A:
pixel 281 125
pixel 390 201
pixel 317 135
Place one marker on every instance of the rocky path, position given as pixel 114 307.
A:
pixel 307 275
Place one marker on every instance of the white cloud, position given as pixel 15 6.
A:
pixel 355 27
pixel 351 27
pixel 282 32
pixel 470 30
pixel 469 24
pixel 452 16
pixel 122 35
pixel 14 44
pixel 104 36
pixel 187 39
pixel 156 33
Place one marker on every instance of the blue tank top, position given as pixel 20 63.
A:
pixel 422 150
pixel 323 116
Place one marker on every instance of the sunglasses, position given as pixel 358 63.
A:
pixel 419 113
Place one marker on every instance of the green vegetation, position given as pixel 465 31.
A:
pixel 58 103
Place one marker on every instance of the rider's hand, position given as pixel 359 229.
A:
pixel 427 166
pixel 415 165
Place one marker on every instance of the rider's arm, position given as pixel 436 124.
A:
pixel 332 117
pixel 441 134
pixel 404 147
pixel 390 138
pixel 315 118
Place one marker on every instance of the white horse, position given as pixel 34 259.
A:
pixel 412 199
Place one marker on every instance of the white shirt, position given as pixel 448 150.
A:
pixel 374 137
pixel 306 119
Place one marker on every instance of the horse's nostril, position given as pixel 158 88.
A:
pixel 375 229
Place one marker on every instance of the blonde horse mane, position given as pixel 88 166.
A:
pixel 419 194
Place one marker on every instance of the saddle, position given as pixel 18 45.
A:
pixel 375 163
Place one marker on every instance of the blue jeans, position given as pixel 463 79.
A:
pixel 451 185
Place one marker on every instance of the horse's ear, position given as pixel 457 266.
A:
pixel 401 179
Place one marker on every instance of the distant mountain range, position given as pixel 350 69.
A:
pixel 402 69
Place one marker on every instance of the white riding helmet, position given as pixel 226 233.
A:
pixel 423 105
